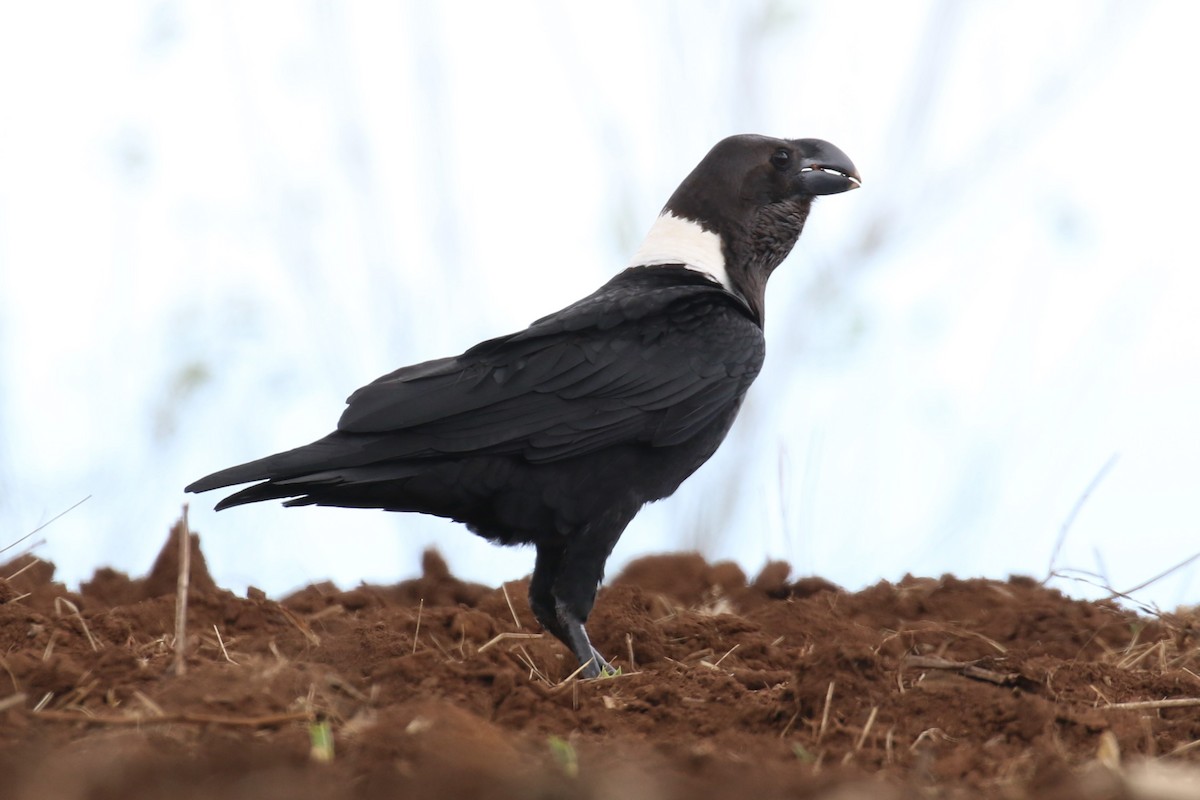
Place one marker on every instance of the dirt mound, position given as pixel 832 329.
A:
pixel 730 687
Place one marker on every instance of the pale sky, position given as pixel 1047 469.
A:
pixel 218 219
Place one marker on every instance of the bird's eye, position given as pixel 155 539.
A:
pixel 780 159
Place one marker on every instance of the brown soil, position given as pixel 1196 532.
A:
pixel 436 688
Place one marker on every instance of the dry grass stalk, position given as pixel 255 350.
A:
pixel 929 733
pixel 722 658
pixel 511 610
pixel 522 655
pixel 300 625
pixel 866 729
pixel 181 591
pixel 1133 641
pixel 33 562
pixel 265 721
pixel 788 728
pixel 327 611
pixel 78 694
pixel 221 642
pixel 59 602
pixel 339 684
pixel 45 701
pixel 575 674
pixel 825 713
pixel 11 675
pixel 500 637
pixel 442 649
pixel 45 524
pixel 12 701
pixel 954 630
pixel 417 632
pixel 154 708
pixel 1135 658
pixel 1183 748
pixel 629 647
pixel 50 646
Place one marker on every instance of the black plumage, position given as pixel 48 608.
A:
pixel 557 435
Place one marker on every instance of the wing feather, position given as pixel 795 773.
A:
pixel 654 364
pixel 564 387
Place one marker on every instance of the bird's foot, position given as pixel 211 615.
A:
pixel 598 667
pixel 592 664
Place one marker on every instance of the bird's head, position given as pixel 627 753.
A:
pixel 742 208
pixel 747 171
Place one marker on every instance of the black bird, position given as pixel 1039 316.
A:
pixel 557 435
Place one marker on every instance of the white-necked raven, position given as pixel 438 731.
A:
pixel 557 435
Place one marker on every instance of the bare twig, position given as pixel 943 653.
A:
pixel 1075 509
pixel 1156 578
pixel 1179 702
pixel 966 668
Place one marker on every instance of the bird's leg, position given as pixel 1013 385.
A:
pixel 561 598
pixel 594 664
pixel 541 590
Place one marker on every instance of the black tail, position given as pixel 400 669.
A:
pixel 332 460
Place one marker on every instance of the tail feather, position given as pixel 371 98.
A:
pixel 335 451
pixel 280 465
pixel 322 472
pixel 268 490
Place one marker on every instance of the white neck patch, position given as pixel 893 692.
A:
pixel 675 240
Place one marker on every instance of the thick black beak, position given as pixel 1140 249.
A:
pixel 824 169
